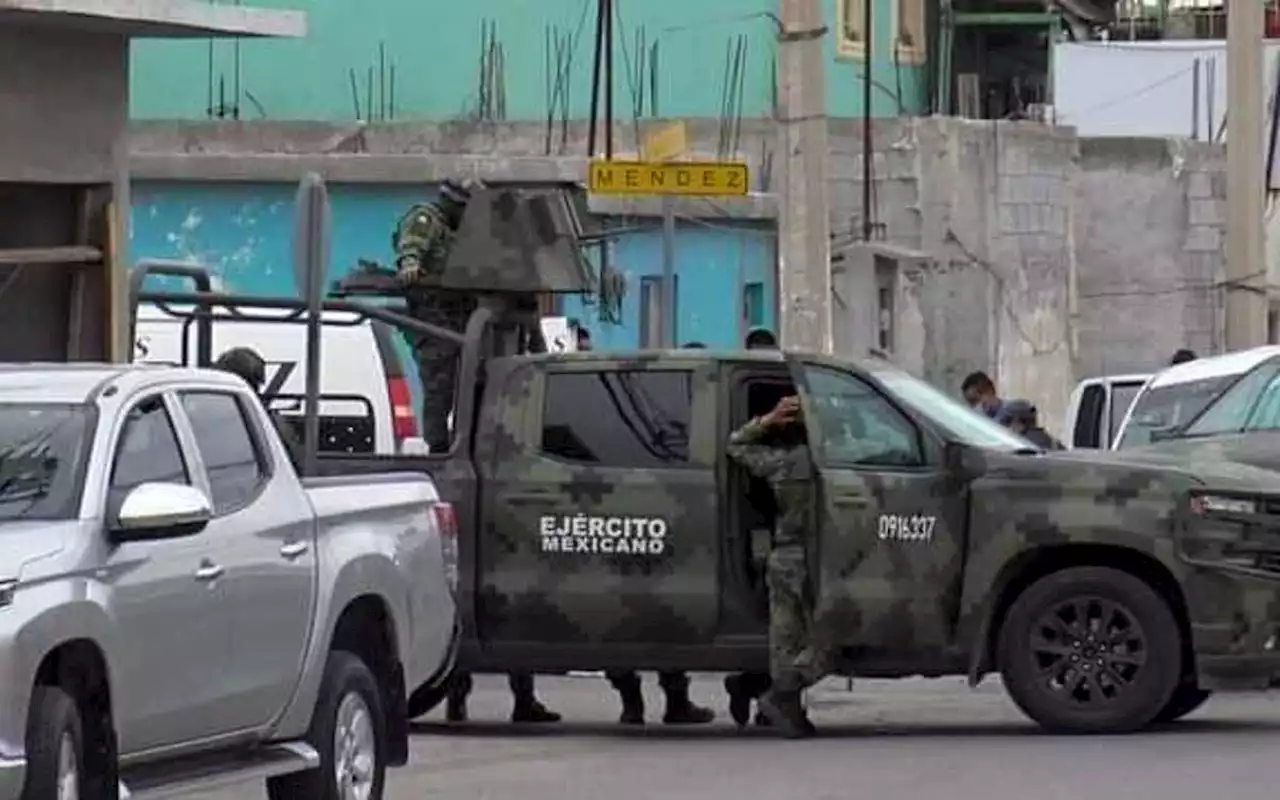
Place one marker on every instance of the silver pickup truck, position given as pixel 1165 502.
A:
pixel 179 610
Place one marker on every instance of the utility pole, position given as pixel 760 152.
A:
pixel 804 251
pixel 1246 302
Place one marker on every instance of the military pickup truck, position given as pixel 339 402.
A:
pixel 178 610
pixel 603 526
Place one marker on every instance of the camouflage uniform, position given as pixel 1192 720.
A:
pixel 421 241
pixel 798 654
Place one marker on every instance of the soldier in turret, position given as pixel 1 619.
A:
pixel 422 240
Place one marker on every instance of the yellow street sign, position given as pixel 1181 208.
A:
pixel 665 144
pixel 699 179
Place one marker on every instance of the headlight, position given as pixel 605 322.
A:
pixel 1213 503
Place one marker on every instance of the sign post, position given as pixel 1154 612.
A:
pixel 312 222
pixel 659 172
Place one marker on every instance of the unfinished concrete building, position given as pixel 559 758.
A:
pixel 64 88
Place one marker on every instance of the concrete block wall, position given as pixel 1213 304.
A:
pixel 1049 258
pixel 1150 223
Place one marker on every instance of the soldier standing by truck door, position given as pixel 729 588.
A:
pixel 774 447
pixel 422 241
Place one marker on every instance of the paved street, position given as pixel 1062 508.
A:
pixel 888 740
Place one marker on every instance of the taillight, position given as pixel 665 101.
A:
pixel 447 525
pixel 446 519
pixel 404 423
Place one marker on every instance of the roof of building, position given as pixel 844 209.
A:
pixel 155 18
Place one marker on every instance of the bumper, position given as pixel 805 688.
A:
pixel 12 773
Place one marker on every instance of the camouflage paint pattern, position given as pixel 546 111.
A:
pixel 526 594
pixel 924 602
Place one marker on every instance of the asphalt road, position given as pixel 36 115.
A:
pixel 889 740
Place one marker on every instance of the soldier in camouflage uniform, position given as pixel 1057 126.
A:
pixel 773 447
pixel 422 241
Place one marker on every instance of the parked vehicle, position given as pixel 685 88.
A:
pixel 178 609
pixel 603 527
pixel 1241 424
pixel 1176 395
pixel 366 394
pixel 1096 409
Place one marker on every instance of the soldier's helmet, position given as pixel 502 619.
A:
pixel 245 362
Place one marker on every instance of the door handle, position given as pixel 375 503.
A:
pixel 853 500
pixel 531 497
pixel 293 549
pixel 208 572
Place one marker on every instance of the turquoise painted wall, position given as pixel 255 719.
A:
pixel 435 48
pixel 244 233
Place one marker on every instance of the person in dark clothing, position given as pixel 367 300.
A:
pixel 1182 356
pixel 1021 417
pixel 980 393
pixel 584 338
pixel 252 368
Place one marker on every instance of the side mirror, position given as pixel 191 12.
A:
pixel 963 462
pixel 153 511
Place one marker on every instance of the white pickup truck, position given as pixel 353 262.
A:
pixel 1117 411
pixel 179 610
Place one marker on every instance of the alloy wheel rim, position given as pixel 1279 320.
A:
pixel 355 750
pixel 1088 652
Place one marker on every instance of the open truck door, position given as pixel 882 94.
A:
pixel 892 518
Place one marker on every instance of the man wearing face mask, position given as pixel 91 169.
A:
pixel 980 393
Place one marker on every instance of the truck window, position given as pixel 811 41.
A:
pixel 148 451
pixel 231 460
pixel 1088 431
pixel 43 450
pixel 633 418
pixel 1232 411
pixel 1122 396
pixel 860 427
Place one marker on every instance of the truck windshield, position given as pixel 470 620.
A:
pixel 954 417
pixel 1166 408
pixel 43 448
pixel 1251 404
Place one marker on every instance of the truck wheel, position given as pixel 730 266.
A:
pixel 1090 650
pixel 350 732
pixel 1186 698
pixel 55 748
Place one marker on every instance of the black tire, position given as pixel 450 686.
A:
pixel 345 676
pixel 52 720
pixel 1131 687
pixel 1186 698
pixel 425 698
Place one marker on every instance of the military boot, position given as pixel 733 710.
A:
pixel 785 714
pixel 739 700
pixel 530 710
pixel 683 711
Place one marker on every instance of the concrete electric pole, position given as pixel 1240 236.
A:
pixel 1246 300
pixel 804 245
